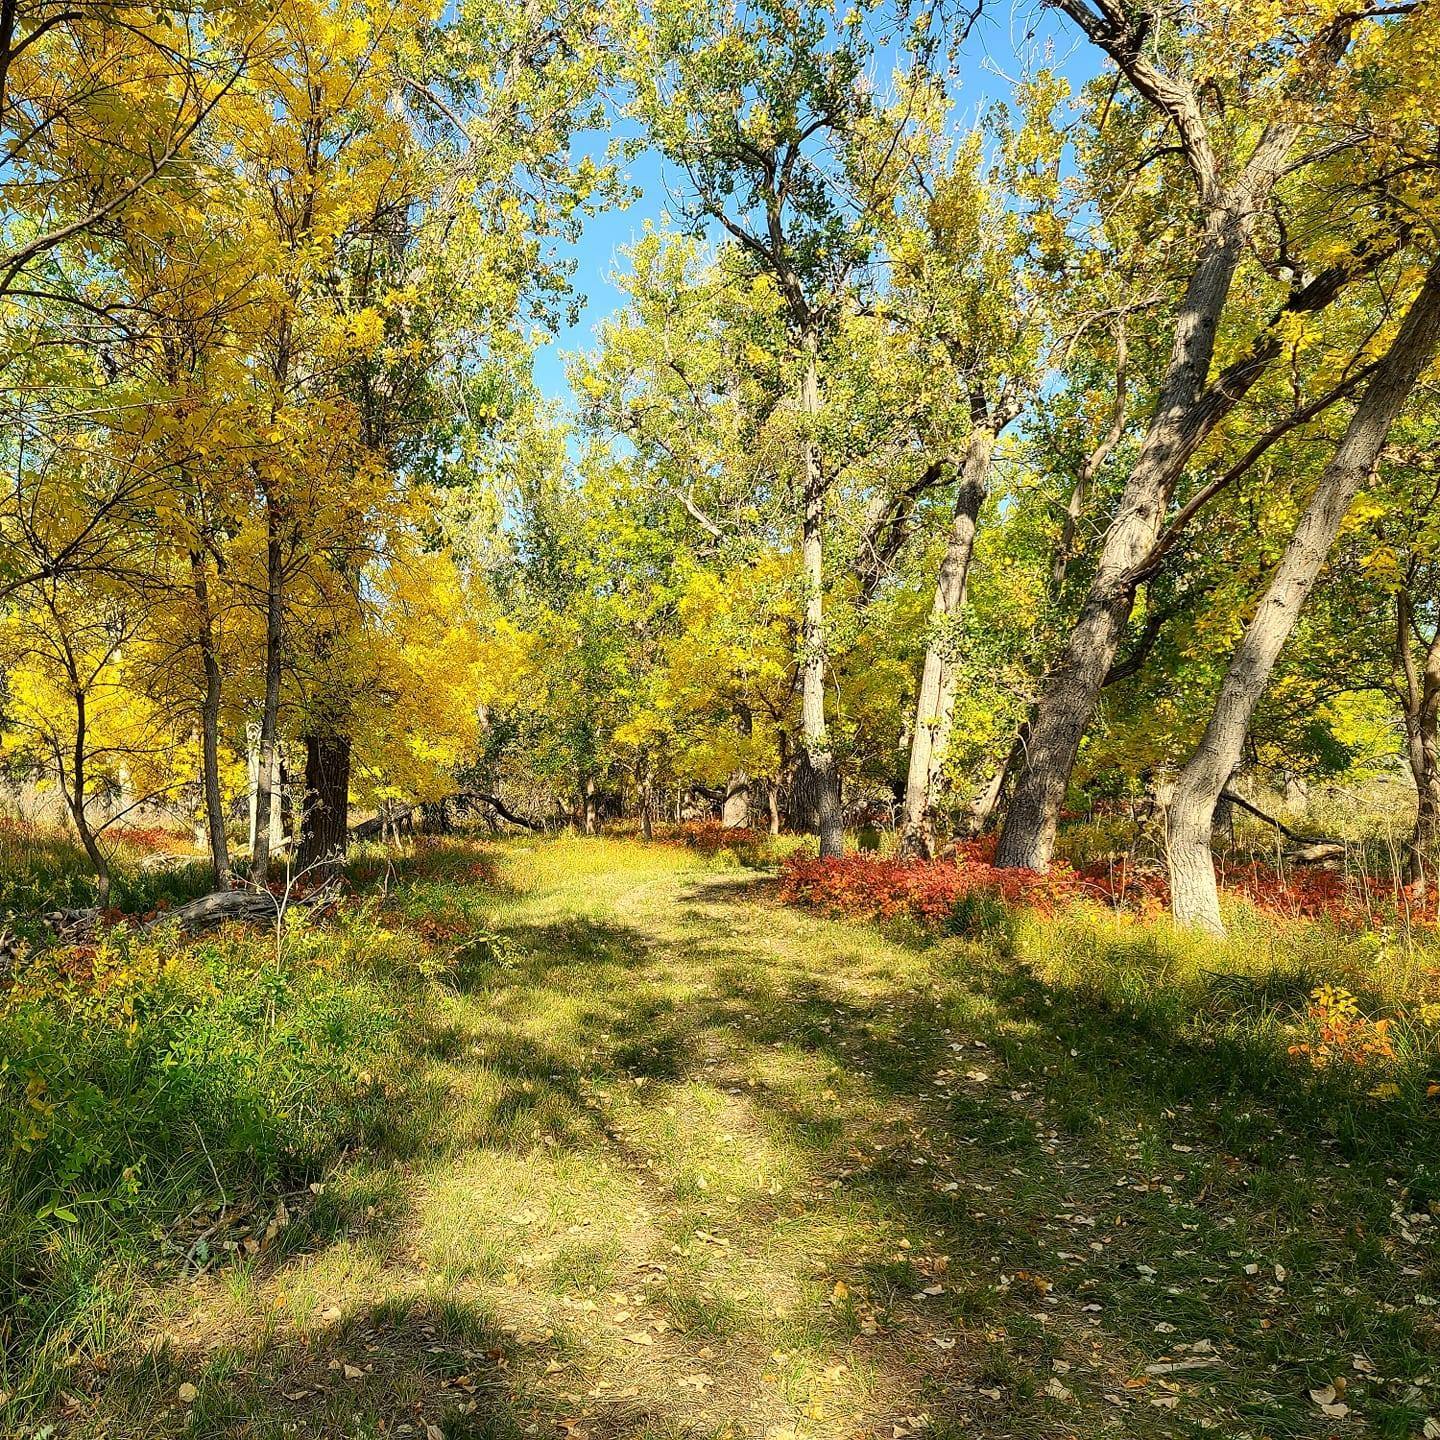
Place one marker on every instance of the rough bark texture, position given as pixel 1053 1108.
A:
pixel 1188 406
pixel 735 808
pixel 1420 705
pixel 324 817
pixel 812 694
pixel 1072 688
pixel 1192 870
pixel 935 699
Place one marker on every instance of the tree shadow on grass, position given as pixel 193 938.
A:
pixel 1073 1176
pixel 426 1362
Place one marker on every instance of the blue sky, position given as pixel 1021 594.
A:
pixel 999 48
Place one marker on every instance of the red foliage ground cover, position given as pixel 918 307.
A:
pixel 709 837
pixel 866 888
pixel 156 839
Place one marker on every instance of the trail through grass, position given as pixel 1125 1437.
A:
pixel 670 1159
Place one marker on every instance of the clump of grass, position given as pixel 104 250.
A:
pixel 144 1080
pixel 42 869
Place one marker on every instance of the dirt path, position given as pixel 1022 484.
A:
pixel 672 1160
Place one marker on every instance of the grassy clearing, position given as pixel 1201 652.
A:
pixel 642 1153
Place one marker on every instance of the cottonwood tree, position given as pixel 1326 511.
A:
pixel 769 113
pixel 1247 107
pixel 1195 898
pixel 973 284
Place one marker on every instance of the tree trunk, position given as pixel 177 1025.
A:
pixel 826 777
pixel 1180 422
pixel 1420 701
pixel 735 809
pixel 325 814
pixel 209 718
pixel 772 798
pixel 987 804
pixel 587 805
pixel 270 715
pixel 75 797
pixel 935 700
pixel 647 799
pixel 1195 899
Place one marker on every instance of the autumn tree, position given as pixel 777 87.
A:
pixel 1248 112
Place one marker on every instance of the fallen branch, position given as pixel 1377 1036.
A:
pixel 224 907
pixel 1313 849
pixel 500 808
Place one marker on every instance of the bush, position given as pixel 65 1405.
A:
pixel 141 1078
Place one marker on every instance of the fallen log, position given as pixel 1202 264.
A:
pixel 1305 849
pixel 224 907
pixel 500 808
pixel 1280 825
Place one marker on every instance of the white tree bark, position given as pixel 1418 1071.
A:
pixel 935 699
pixel 812 693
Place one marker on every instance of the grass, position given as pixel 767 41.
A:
pixel 660 1157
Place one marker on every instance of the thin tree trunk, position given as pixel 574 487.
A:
pixel 1195 899
pixel 270 715
pixel 812 694
pixel 76 798
pixel 210 724
pixel 647 803
pixel 986 805
pixel 935 699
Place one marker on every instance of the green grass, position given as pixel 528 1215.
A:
pixel 659 1157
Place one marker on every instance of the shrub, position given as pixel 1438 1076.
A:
pixel 138 1070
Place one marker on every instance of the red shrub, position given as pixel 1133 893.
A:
pixel 709 837
pixel 863 887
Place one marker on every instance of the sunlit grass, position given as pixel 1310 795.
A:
pixel 666 1158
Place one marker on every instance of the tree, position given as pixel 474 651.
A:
pixel 1252 128
pixel 1192 875
pixel 768 113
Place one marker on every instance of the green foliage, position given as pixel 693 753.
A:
pixel 141 1078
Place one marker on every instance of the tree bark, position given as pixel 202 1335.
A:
pixel 812 694
pixel 935 699
pixel 1420 702
pixel 1188 405
pixel 210 723
pixel 735 808
pixel 1195 899
pixel 1181 420
pixel 325 814
pixel 76 798
pixel 270 715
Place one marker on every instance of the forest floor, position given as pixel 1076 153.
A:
pixel 668 1158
